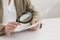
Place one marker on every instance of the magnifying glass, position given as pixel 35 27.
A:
pixel 26 17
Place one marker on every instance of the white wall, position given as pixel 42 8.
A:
pixel 53 12
pixel 43 5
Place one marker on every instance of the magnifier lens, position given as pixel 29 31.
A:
pixel 26 17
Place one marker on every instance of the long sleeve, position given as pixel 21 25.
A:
pixel 2 32
pixel 30 8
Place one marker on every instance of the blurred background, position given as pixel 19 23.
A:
pixel 47 8
pixel 50 12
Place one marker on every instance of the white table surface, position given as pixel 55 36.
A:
pixel 50 31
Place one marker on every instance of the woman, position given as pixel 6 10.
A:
pixel 15 7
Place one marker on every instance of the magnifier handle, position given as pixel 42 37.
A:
pixel 17 20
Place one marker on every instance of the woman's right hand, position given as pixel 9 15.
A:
pixel 10 27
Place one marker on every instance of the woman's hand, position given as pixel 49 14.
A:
pixel 10 27
pixel 35 27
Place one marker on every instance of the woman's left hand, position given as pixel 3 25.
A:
pixel 35 27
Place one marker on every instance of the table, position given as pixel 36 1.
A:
pixel 50 31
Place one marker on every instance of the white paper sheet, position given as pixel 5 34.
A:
pixel 25 26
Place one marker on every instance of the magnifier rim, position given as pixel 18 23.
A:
pixel 18 19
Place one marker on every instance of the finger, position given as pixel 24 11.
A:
pixel 10 28
pixel 36 21
pixel 13 26
pixel 38 26
pixel 34 28
pixel 8 33
pixel 33 22
pixel 14 23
